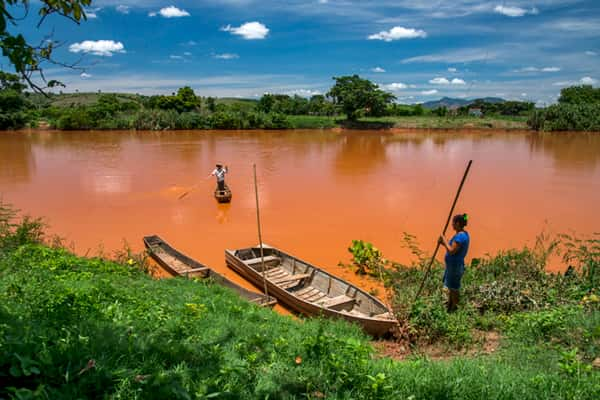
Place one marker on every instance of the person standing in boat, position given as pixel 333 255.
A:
pixel 456 250
pixel 219 172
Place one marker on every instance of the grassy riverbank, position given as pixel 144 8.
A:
pixel 73 327
pixel 412 122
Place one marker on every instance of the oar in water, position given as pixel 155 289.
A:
pixel 462 182
pixel 189 191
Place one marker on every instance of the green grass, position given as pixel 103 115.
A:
pixel 435 122
pixel 312 122
pixel 73 328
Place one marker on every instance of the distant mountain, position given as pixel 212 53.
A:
pixel 449 102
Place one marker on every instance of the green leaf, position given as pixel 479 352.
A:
pixel 15 371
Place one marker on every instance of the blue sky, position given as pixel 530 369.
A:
pixel 420 49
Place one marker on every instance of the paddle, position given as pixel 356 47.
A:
pixel 445 228
pixel 189 191
pixel 262 256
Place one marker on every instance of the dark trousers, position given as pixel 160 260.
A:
pixel 221 185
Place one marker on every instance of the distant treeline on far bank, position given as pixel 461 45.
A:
pixel 351 99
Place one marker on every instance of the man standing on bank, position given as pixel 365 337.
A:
pixel 219 173
pixel 456 250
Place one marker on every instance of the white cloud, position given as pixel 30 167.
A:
pixel 303 92
pixel 85 76
pixel 514 11
pixel 453 70
pixel 174 57
pixel 398 32
pixel 323 1
pixel 122 9
pixel 91 15
pixel 581 26
pixel 445 81
pixel 189 43
pixel 591 53
pixel 170 12
pixel 536 69
pixel 429 92
pixel 439 81
pixel 457 56
pixel 587 80
pixel 378 70
pixel 395 86
pixel 187 53
pixel 98 47
pixel 523 94
pixel 249 30
pixel 226 56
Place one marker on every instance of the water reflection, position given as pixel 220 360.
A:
pixel 223 212
pixel 360 153
pixel 578 151
pixel 17 161
pixel 318 190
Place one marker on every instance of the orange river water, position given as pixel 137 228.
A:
pixel 318 190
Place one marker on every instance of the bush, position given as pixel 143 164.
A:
pixel 567 117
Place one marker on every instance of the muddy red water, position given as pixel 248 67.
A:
pixel 318 189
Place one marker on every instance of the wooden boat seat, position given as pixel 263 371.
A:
pixel 291 278
pixel 194 272
pixel 338 301
pixel 258 260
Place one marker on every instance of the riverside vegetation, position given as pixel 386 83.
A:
pixel 75 327
pixel 352 101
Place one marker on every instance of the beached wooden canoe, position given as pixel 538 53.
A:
pixel 179 264
pixel 223 196
pixel 310 290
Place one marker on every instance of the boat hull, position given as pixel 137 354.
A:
pixel 178 264
pixel 345 301
pixel 223 196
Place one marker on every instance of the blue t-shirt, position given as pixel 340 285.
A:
pixel 458 259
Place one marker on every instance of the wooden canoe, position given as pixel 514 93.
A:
pixel 310 290
pixel 179 264
pixel 223 196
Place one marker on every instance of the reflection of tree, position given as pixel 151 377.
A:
pixel 18 162
pixel 415 139
pixel 360 152
pixel 569 151
pixel 115 146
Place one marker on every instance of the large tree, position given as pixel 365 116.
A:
pixel 13 105
pixel 26 58
pixel 584 94
pixel 356 95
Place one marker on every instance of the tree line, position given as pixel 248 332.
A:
pixel 578 109
pixel 351 97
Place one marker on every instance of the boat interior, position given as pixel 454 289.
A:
pixel 311 284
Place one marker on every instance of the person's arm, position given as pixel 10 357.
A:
pixel 451 249
pixel 210 175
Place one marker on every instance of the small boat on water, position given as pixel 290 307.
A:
pixel 179 264
pixel 223 196
pixel 310 290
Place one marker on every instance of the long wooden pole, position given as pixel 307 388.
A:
pixel 262 256
pixel 462 182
